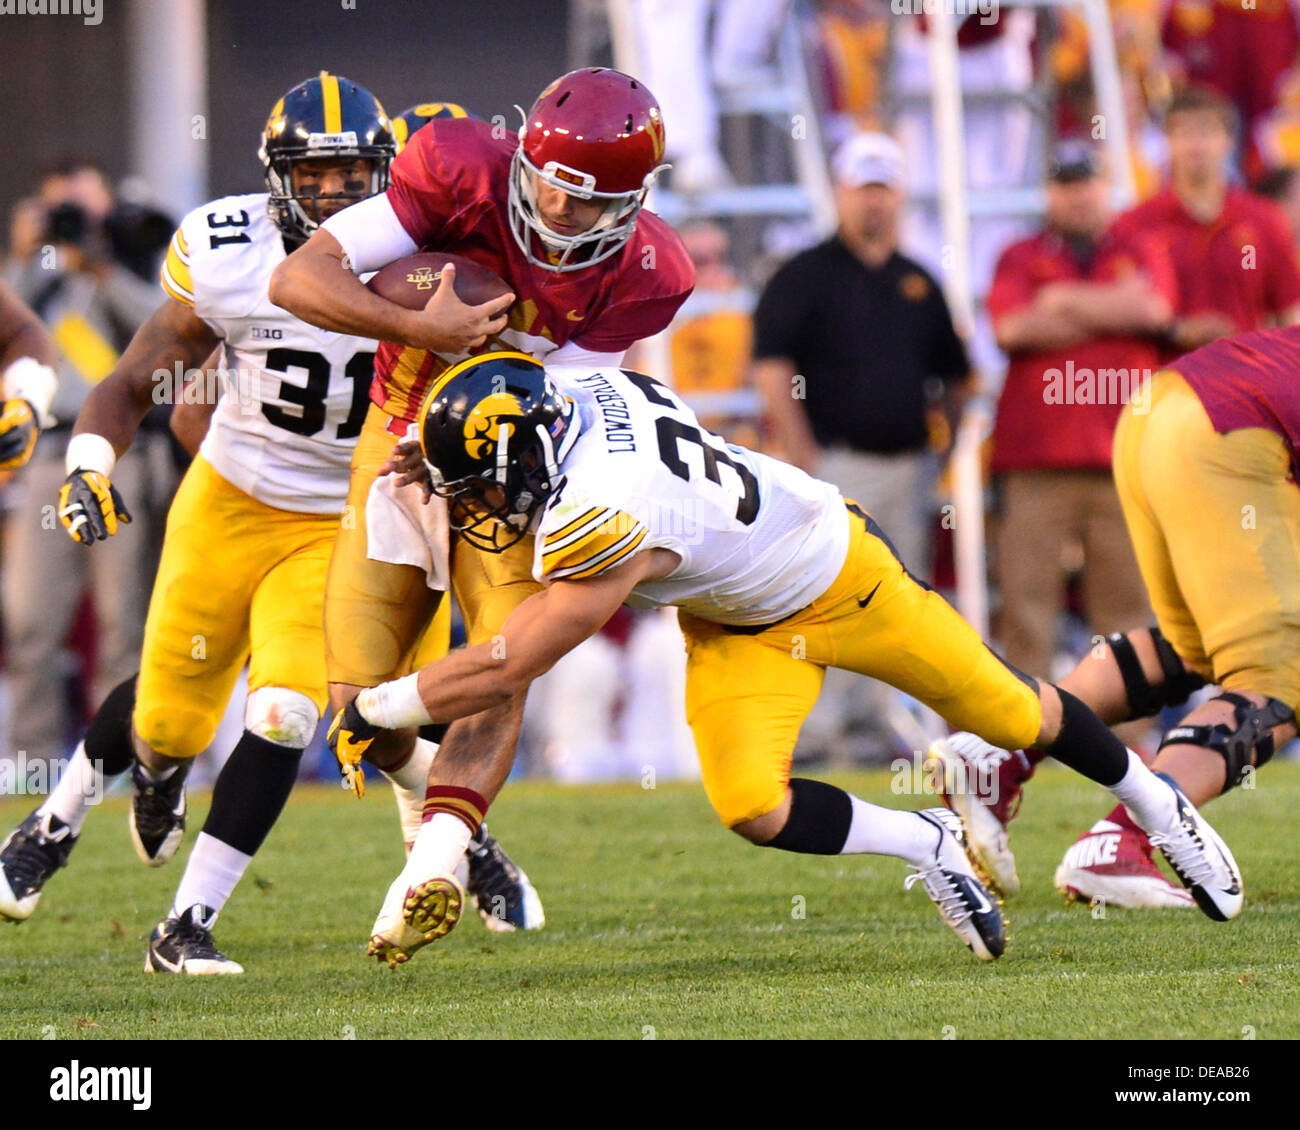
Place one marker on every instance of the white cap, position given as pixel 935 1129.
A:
pixel 869 158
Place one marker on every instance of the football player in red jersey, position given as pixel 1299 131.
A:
pixel 1205 463
pixel 556 212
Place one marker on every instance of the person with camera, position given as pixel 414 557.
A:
pixel 66 262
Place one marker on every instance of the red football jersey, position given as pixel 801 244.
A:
pixel 1071 423
pixel 1250 381
pixel 449 190
pixel 1241 264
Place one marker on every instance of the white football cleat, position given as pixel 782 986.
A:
pixel 951 881
pixel 1200 858
pixel 982 785
pixel 413 915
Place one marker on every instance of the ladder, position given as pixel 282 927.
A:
pixel 957 207
pixel 792 187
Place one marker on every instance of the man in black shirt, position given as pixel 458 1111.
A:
pixel 852 341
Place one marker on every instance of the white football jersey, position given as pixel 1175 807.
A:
pixel 293 396
pixel 758 538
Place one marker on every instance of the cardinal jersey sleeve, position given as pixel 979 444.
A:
pixel 441 172
pixel 655 276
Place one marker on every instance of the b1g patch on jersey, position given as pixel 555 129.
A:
pixel 588 540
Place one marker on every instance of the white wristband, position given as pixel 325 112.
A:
pixel 27 379
pixel 394 705
pixel 89 452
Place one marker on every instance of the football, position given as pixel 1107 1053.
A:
pixel 410 282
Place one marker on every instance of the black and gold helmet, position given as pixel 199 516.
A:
pixel 494 430
pixel 326 117
pixel 421 114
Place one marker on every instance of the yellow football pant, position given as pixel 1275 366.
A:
pixel 1215 522
pixel 376 614
pixel 238 581
pixel 748 693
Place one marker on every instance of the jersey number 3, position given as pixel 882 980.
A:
pixel 672 433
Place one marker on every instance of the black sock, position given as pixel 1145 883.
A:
pixel 250 792
pixel 435 732
pixel 819 820
pixel 108 738
pixel 1086 745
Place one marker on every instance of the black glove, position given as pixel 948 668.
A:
pixel 349 737
pixel 90 507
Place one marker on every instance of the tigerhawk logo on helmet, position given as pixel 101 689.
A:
pixel 493 431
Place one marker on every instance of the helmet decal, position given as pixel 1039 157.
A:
pixel 483 424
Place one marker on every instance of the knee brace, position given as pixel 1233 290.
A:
pixel 1250 732
pixel 285 717
pixel 1145 700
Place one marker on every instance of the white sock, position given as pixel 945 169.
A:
pixel 1148 799
pixel 410 783
pixel 211 873
pixel 889 831
pixel 79 787
pixel 440 846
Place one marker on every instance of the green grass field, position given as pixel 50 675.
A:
pixel 660 924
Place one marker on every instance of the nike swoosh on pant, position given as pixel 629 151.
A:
pixel 867 599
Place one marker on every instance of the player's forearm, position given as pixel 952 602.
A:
pixel 314 284
pixel 465 682
pixel 173 340
pixel 189 424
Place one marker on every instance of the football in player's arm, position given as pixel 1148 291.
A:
pixel 27 360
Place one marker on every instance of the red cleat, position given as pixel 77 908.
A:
pixel 983 785
pixel 1112 863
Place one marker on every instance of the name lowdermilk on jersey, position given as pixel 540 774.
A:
pixel 76 1083
pixel 617 420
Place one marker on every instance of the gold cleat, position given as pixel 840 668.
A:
pixel 429 910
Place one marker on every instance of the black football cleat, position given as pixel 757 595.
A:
pixel 31 853
pixel 184 945
pixel 502 894
pixel 950 880
pixel 157 814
